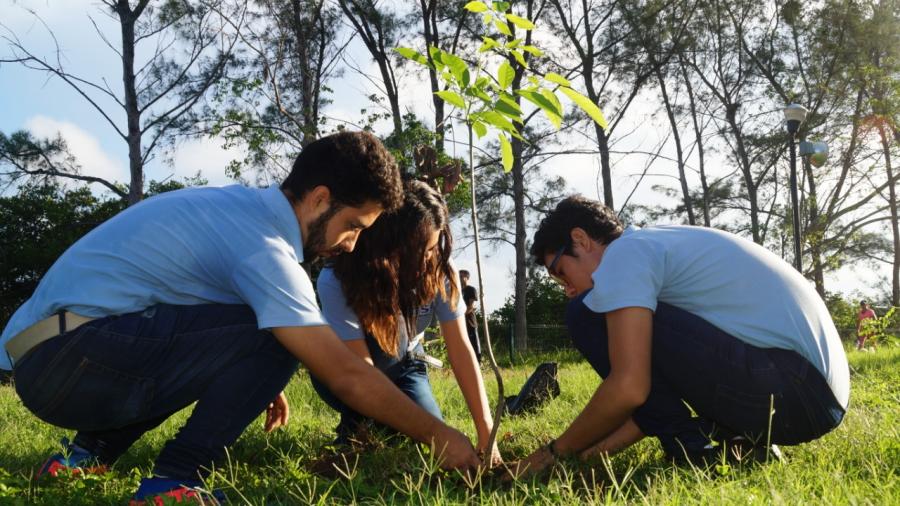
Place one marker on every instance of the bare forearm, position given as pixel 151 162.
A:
pixel 623 437
pixel 361 386
pixel 607 410
pixel 468 377
pixel 369 392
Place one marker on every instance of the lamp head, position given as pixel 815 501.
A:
pixel 794 114
pixel 817 152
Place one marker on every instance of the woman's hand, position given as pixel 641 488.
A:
pixel 277 413
pixel 495 458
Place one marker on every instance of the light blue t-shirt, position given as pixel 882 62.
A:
pixel 343 320
pixel 231 245
pixel 731 282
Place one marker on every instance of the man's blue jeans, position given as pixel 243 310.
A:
pixel 115 378
pixel 409 375
pixel 733 387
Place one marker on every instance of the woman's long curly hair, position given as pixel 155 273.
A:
pixel 388 276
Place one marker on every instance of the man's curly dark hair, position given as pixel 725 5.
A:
pixel 354 166
pixel 554 232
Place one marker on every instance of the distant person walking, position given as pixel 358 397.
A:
pixel 865 313
pixel 470 296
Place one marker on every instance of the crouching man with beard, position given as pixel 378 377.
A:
pixel 198 295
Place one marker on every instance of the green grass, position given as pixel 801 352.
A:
pixel 856 464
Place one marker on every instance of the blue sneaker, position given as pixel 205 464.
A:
pixel 157 491
pixel 75 460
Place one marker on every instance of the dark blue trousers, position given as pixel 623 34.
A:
pixel 409 375
pixel 736 389
pixel 115 378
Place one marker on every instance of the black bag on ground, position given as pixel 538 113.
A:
pixel 541 387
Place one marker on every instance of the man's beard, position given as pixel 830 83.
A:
pixel 314 245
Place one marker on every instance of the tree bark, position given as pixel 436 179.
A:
pixel 375 43
pixel 432 38
pixel 895 221
pixel 682 177
pixel 698 134
pixel 746 170
pixel 814 234
pixel 521 322
pixel 132 110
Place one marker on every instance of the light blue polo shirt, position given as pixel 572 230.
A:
pixel 343 320
pixel 731 282
pixel 231 245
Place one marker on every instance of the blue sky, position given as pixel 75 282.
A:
pixel 44 105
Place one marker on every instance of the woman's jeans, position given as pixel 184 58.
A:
pixel 764 394
pixel 408 374
pixel 115 378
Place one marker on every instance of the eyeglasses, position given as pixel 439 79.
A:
pixel 551 268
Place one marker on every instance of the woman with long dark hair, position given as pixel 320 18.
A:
pixel 380 300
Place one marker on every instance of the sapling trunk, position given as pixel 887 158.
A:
pixel 501 399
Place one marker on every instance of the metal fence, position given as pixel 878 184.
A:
pixel 541 338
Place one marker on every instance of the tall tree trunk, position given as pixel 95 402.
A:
pixel 895 222
pixel 605 170
pixel 518 174
pixel 432 38
pixel 308 98
pixel 698 134
pixel 746 170
pixel 814 235
pixel 602 136
pixel 521 321
pixel 132 110
pixel 682 177
pixel 364 22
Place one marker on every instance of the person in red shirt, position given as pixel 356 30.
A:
pixel 865 313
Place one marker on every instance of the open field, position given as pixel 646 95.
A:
pixel 858 463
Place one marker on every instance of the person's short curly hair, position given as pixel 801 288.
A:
pixel 354 166
pixel 554 232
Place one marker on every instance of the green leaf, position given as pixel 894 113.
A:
pixel 486 18
pixel 506 154
pixel 553 77
pixel 502 28
pixel 496 119
pixel 488 44
pixel 479 128
pixel 520 22
pixel 505 75
pixel 412 54
pixel 479 93
pixel 551 97
pixel 533 50
pixel 476 7
pixel 435 54
pixel 451 97
pixel 519 57
pixel 501 6
pixel 587 106
pixel 457 66
pixel 513 43
pixel 511 110
pixel 506 97
pixel 550 110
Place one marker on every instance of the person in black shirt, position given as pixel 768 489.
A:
pixel 470 296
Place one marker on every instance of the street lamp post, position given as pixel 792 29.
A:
pixel 794 114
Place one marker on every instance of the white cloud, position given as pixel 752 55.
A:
pixel 206 155
pixel 83 145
